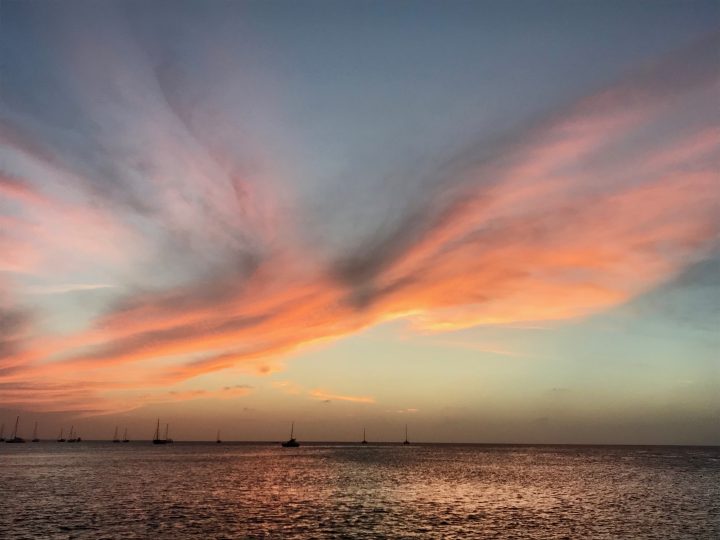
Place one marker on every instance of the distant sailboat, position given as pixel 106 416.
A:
pixel 157 439
pixel 115 436
pixel 35 437
pixel 406 437
pixel 15 438
pixel 73 437
pixel 291 443
pixel 60 437
pixel 125 439
pixel 2 432
pixel 218 441
pixel 364 441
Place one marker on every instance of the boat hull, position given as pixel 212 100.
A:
pixel 15 440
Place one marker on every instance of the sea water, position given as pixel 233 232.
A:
pixel 208 490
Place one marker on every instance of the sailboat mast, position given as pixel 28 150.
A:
pixel 17 420
pixel 115 434
pixel 167 428
pixel 292 429
pixel 157 431
pixel 125 434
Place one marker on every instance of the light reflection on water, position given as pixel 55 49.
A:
pixel 137 490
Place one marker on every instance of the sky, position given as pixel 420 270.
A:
pixel 489 221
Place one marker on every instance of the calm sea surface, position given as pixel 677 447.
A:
pixel 194 490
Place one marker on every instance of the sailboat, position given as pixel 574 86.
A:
pixel 15 438
pixel 218 441
pixel 2 432
pixel 73 437
pixel 406 437
pixel 157 439
pixel 115 436
pixel 291 443
pixel 35 437
pixel 125 439
pixel 60 437
pixel 364 441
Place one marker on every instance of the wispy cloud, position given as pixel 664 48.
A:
pixel 327 396
pixel 211 265
pixel 62 288
pixel 404 411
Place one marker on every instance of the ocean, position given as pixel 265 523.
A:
pixel 242 490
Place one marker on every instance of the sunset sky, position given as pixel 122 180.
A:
pixel 491 221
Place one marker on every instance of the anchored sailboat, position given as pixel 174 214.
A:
pixel 60 437
pixel 115 436
pixel 406 437
pixel 73 437
pixel 35 437
pixel 364 441
pixel 2 432
pixel 157 439
pixel 125 439
pixel 15 438
pixel 218 441
pixel 291 443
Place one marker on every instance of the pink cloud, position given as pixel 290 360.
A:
pixel 583 211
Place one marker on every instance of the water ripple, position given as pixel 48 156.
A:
pixel 184 491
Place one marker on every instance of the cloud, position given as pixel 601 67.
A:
pixel 405 411
pixel 209 258
pixel 479 347
pixel 63 288
pixel 287 387
pixel 562 220
pixel 45 395
pixel 327 397
pixel 226 392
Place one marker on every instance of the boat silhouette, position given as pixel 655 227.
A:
pixel 60 437
pixel 73 437
pixel 2 432
pixel 125 439
pixel 364 441
pixel 218 441
pixel 15 438
pixel 406 437
pixel 35 437
pixel 157 439
pixel 291 443
pixel 115 436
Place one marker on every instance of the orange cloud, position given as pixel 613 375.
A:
pixel 581 212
